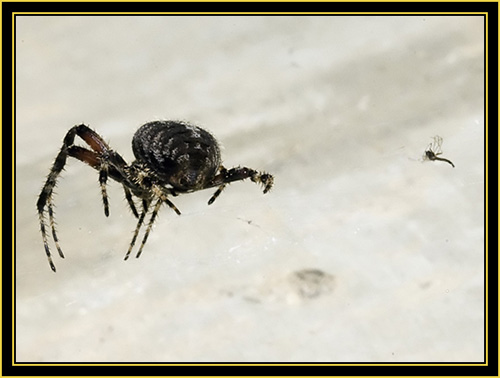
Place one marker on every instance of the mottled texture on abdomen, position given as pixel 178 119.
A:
pixel 180 154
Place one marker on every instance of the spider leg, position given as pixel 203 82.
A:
pixel 236 174
pixel 162 198
pixel 109 165
pixel 45 241
pixel 145 206
pixel 103 159
pixel 172 206
pixel 97 162
pixel 161 193
pixel 115 165
pixel 98 144
pixel 150 225
pixel 50 208
pixel 216 194
pixel 128 196
pixel 114 168
pixel 223 171
pixel 45 196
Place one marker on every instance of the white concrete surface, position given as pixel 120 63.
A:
pixel 340 110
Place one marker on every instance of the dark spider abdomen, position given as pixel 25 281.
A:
pixel 184 156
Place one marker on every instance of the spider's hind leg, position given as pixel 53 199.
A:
pixel 45 241
pixel 45 197
pixel 98 161
pixel 103 178
pixel 101 158
pixel 52 222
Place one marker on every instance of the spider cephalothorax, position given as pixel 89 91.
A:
pixel 171 158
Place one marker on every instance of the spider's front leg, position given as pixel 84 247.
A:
pixel 227 176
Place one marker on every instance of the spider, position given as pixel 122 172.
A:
pixel 171 158
pixel 434 149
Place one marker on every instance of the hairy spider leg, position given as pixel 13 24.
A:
pixel 52 221
pixel 47 190
pixel 128 196
pixel 87 156
pixel 45 242
pixel 161 199
pixel 103 178
pixel 150 225
pixel 102 160
pixel 216 194
pixel 171 205
pixel 50 206
pixel 44 233
pixel 98 162
pixel 237 174
pixel 98 144
pixel 145 206
pixel 114 168
pixel 223 171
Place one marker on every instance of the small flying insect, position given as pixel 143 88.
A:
pixel 434 149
